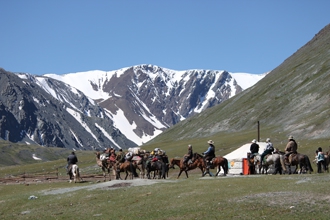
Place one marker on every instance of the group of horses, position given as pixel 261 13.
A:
pixel 159 168
pixel 141 162
pixel 281 164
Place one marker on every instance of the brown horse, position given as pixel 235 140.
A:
pixel 104 164
pixel 180 164
pixel 252 166
pixel 129 168
pixel 301 160
pixel 217 162
pixel 327 160
pixel 141 164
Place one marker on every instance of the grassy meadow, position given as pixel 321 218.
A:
pixel 296 196
pixel 240 197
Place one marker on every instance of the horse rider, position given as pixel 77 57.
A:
pixel 254 148
pixel 188 156
pixel 72 159
pixel 269 150
pixel 290 148
pixel 209 154
pixel 120 157
pixel 129 157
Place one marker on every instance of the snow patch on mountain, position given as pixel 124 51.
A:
pixel 246 80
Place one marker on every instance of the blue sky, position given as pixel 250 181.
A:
pixel 61 36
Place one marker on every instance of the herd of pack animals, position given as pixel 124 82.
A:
pixel 150 168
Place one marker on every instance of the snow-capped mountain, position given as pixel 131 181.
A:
pixel 98 109
pixel 145 100
pixel 48 112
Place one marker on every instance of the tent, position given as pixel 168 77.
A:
pixel 236 158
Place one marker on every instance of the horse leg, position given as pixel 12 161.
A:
pixel 218 170
pixel 74 174
pixel 148 174
pixel 186 173
pixel 70 176
pixel 225 169
pixel 113 172
pixel 295 170
pixel 179 173
pixel 104 174
pixel 290 170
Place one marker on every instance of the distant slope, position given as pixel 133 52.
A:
pixel 292 99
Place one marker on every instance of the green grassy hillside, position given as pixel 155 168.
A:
pixel 293 99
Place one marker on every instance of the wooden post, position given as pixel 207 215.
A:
pixel 258 131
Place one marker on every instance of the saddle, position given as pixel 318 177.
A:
pixel 265 158
pixel 291 156
pixel 210 163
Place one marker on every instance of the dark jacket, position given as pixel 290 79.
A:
pixel 254 148
pixel 72 159
pixel 190 154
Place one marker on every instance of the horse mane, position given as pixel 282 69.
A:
pixel 197 155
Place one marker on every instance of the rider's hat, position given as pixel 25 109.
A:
pixel 290 137
pixel 210 142
pixel 268 139
pixel 254 141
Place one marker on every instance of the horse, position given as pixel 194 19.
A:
pixel 157 166
pixel 127 167
pixel 252 167
pixel 74 172
pixel 180 164
pixel 105 164
pixel 301 160
pixel 217 162
pixel 275 159
pixel 142 166
pixel 327 160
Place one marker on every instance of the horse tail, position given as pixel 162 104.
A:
pixel 225 167
pixel 308 163
pixel 282 163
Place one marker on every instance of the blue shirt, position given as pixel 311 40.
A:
pixel 320 156
pixel 209 151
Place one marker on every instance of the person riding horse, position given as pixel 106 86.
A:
pixel 72 159
pixel 269 150
pixel 254 148
pixel 290 148
pixel 188 156
pixel 120 157
pixel 209 154
pixel 129 157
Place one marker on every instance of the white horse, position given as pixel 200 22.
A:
pixel 275 159
pixel 75 173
